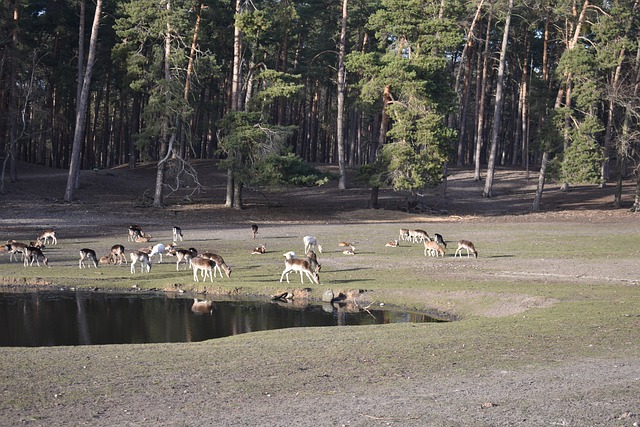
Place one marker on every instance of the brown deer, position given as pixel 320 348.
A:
pixel 433 248
pixel 118 255
pixel 220 265
pixel 142 258
pixel 177 234
pixel 465 244
pixel 254 230
pixel 46 235
pixel 300 265
pixel 33 253
pixel 205 265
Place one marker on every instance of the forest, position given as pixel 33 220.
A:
pixel 396 90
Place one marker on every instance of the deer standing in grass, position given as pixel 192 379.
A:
pixel 433 248
pixel 205 265
pixel 300 265
pixel 14 248
pixel 254 230
pixel 311 242
pixel 142 258
pixel 404 234
pixel 177 234
pixel 470 248
pixel 219 264
pixel 46 235
pixel 88 254
pixel 32 253
pixel 182 255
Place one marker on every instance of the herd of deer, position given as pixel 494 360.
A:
pixel 209 264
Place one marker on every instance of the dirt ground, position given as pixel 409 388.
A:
pixel 597 392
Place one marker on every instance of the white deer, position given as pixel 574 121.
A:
pixel 157 250
pixel 89 254
pixel 300 265
pixel 142 258
pixel 311 242
pixel 465 244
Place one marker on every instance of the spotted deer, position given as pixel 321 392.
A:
pixel 33 253
pixel 204 265
pixel 46 235
pixel 15 248
pixel 300 265
pixel 470 248
pixel 433 248
pixel 182 255
pixel 219 264
pixel 118 255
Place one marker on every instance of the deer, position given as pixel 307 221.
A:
pixel 142 258
pixel 418 236
pixel 46 235
pixel 219 264
pixel 143 238
pixel 202 306
pixel 438 238
pixel 205 265
pixel 33 253
pixel 118 255
pixel 177 234
pixel 311 242
pixel 134 232
pixel 157 250
pixel 261 249
pixel 300 265
pixel 14 248
pixel 89 254
pixel 465 244
pixel 392 244
pixel 254 230
pixel 404 234
pixel 312 258
pixel 433 248
pixel 107 259
pixel 182 255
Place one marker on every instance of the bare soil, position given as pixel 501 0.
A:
pixel 279 378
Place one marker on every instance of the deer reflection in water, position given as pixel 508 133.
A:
pixel 202 306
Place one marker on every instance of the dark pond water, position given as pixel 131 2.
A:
pixel 50 318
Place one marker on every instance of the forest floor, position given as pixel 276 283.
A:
pixel 514 358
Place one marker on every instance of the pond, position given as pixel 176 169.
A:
pixel 53 318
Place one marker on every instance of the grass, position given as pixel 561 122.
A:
pixel 510 315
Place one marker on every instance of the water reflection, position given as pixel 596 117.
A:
pixel 49 318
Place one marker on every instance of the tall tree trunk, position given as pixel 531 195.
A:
pixel 605 170
pixel 342 183
pixel 483 102
pixel 236 86
pixel 81 111
pixel 382 137
pixel 497 115
pixel 166 141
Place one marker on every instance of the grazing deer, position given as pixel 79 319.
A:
pixel 254 230
pixel 438 238
pixel 158 249
pixel 142 258
pixel 404 234
pixel 418 236
pixel 392 244
pixel 202 306
pixel 219 264
pixel 89 254
pixel 14 248
pixel 134 232
pixel 107 259
pixel 312 258
pixel 46 235
pixel 465 244
pixel 300 265
pixel 177 234
pixel 311 242
pixel 32 253
pixel 182 255
pixel 205 265
pixel 259 250
pixel 118 255
pixel 433 248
